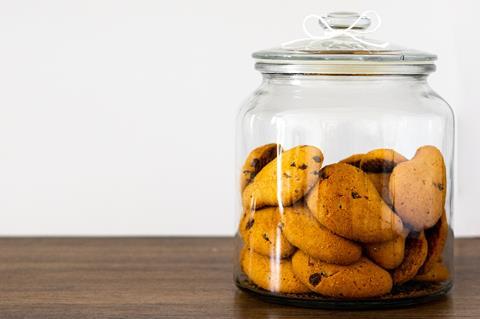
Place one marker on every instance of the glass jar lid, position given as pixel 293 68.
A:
pixel 343 48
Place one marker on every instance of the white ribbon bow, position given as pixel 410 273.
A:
pixel 329 32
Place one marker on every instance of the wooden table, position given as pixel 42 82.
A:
pixel 171 278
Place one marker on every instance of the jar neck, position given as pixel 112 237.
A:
pixel 310 79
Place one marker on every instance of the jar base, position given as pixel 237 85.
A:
pixel 408 294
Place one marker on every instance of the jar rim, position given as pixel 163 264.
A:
pixel 345 68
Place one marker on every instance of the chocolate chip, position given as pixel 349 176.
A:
pixel 378 166
pixel 272 154
pixel 439 186
pixel 255 163
pixel 323 174
pixel 303 166
pixel 315 279
pixel 249 224
pixel 286 175
pixel 293 164
pixel 355 195
pixel 317 159
pixel 266 237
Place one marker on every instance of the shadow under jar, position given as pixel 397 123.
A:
pixel 344 158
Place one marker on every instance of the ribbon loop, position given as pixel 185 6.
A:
pixel 329 32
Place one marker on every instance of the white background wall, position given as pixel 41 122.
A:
pixel 116 117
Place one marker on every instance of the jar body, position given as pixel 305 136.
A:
pixel 345 191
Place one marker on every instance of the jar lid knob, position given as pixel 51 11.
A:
pixel 340 20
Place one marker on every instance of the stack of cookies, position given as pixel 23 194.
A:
pixel 353 229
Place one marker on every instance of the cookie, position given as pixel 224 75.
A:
pixel 346 202
pixel 389 254
pixel 380 181
pixel 271 275
pixel 417 188
pixel 436 238
pixel 261 233
pixel 353 160
pixel 256 160
pixel 303 231
pixel 381 160
pixel 297 170
pixel 438 272
pixel 415 254
pixel 361 279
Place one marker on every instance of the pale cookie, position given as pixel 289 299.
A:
pixel 261 233
pixel 417 188
pixel 381 160
pixel 436 238
pixel 346 202
pixel 380 181
pixel 389 254
pixel 297 170
pixel 303 231
pixel 256 160
pixel 353 160
pixel 270 274
pixel 361 279
pixel 415 254
pixel 438 272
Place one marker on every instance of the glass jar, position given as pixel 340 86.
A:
pixel 345 166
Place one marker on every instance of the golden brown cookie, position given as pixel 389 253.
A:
pixel 417 188
pixel 256 160
pixel 353 160
pixel 303 231
pixel 381 160
pixel 380 181
pixel 270 274
pixel 361 279
pixel 415 254
pixel 438 272
pixel 388 254
pixel 298 171
pixel 436 238
pixel 346 202
pixel 261 233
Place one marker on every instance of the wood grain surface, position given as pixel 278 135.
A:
pixel 172 278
